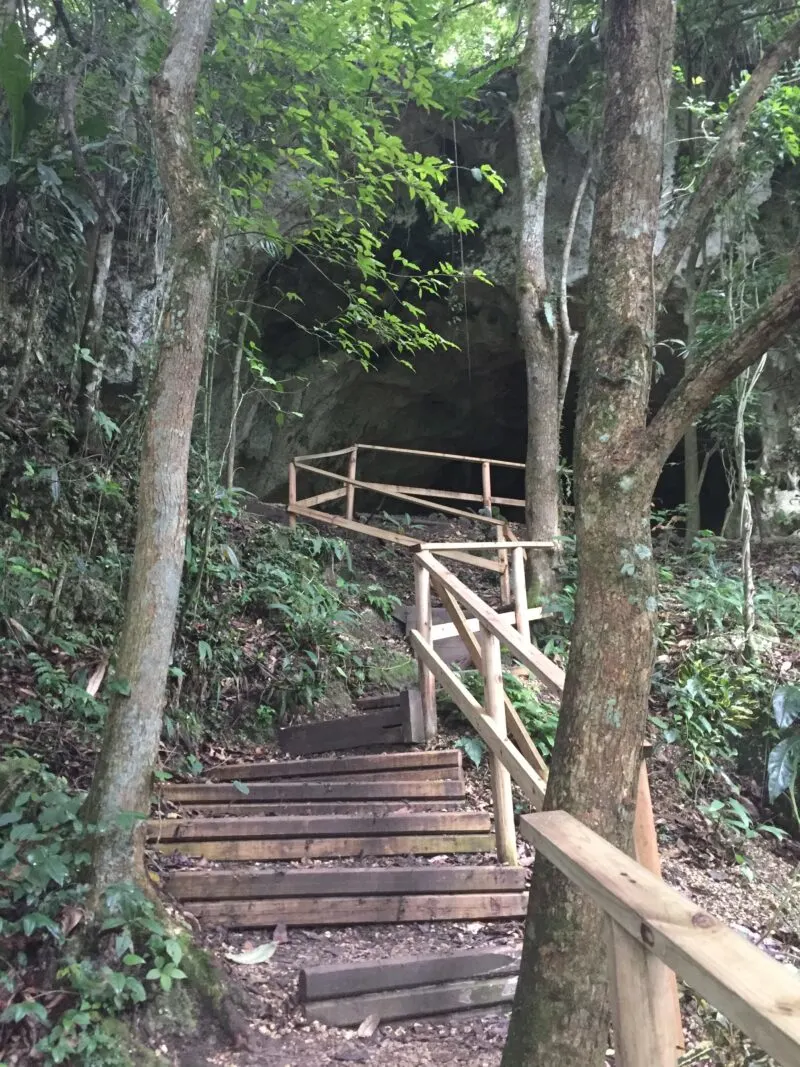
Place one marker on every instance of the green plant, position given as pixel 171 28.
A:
pixel 783 761
pixel 95 975
pixel 472 747
pixel 379 600
pixel 539 717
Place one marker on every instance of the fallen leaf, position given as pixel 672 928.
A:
pixel 369 1026
pixel 70 917
pixel 259 954
pixel 280 934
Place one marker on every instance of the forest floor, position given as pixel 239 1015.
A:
pixel 751 886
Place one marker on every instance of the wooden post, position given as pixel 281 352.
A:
pixel 645 849
pixel 427 682
pixel 502 556
pixel 520 593
pixel 494 704
pixel 351 489
pixel 644 1030
pixel 292 492
pixel 486 483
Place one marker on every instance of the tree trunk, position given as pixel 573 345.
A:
pixel 560 1012
pixel 121 783
pixel 537 311
pixel 236 399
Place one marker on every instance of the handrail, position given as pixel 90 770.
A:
pixel 650 922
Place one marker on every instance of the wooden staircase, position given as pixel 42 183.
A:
pixel 396 804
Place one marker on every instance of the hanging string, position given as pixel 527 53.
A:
pixel 463 270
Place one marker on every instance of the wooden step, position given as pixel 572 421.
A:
pixel 394 725
pixel 344 994
pixel 403 972
pixel 342 882
pixel 444 763
pixel 272 792
pixel 317 826
pixel 347 911
pixel 329 847
pixel 336 807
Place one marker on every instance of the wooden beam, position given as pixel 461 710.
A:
pixel 349 911
pixel 644 1034
pixel 429 789
pixel 427 683
pixel 480 546
pixel 505 577
pixel 330 847
pixel 486 485
pixel 322 498
pixel 514 724
pixel 385 535
pixel 244 884
pixel 442 455
pixel 521 771
pixel 502 800
pixel 465 995
pixel 433 763
pixel 526 653
pixel 351 489
pixel 387 489
pixel 292 497
pixel 247 826
pixel 403 972
pixel 520 590
pixel 384 726
pixel 326 455
pixel 443 630
pixel 753 991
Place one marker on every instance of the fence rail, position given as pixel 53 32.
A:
pixel 652 929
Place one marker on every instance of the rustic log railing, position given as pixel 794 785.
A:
pixel 347 484
pixel 654 931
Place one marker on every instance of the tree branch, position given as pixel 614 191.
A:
pixel 710 375
pixel 720 173
pixel 570 335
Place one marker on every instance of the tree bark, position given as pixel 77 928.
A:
pixel 537 312
pixel 560 1013
pixel 121 783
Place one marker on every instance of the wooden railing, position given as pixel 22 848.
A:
pixel 654 931
pixel 347 484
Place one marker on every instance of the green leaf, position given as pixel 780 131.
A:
pixel 241 787
pixel 786 705
pixel 782 766
pixel 473 748
pixel 173 949
pixel 204 651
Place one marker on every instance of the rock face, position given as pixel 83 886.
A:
pixel 466 400
pixel 780 439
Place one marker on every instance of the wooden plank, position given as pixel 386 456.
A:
pixel 442 455
pixel 337 807
pixel 350 490
pixel 411 774
pixel 402 972
pixel 383 535
pixel 478 546
pixel 502 800
pixel 385 726
pixel 327 455
pixel 521 771
pixel 514 724
pixel 427 683
pixel 331 847
pixel 349 911
pixel 526 653
pixel 753 991
pixel 387 489
pixel 644 1030
pixel 322 498
pixel 342 881
pixel 292 497
pixel 341 765
pixel 520 592
pixel 429 789
pixel 645 849
pixel 442 630
pixel 414 731
pixel 417 822
pixel 465 995
pixel 449 494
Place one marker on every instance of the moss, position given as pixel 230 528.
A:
pixel 137 1054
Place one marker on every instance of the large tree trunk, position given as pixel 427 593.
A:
pixel 537 311
pixel 560 1013
pixel 122 778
